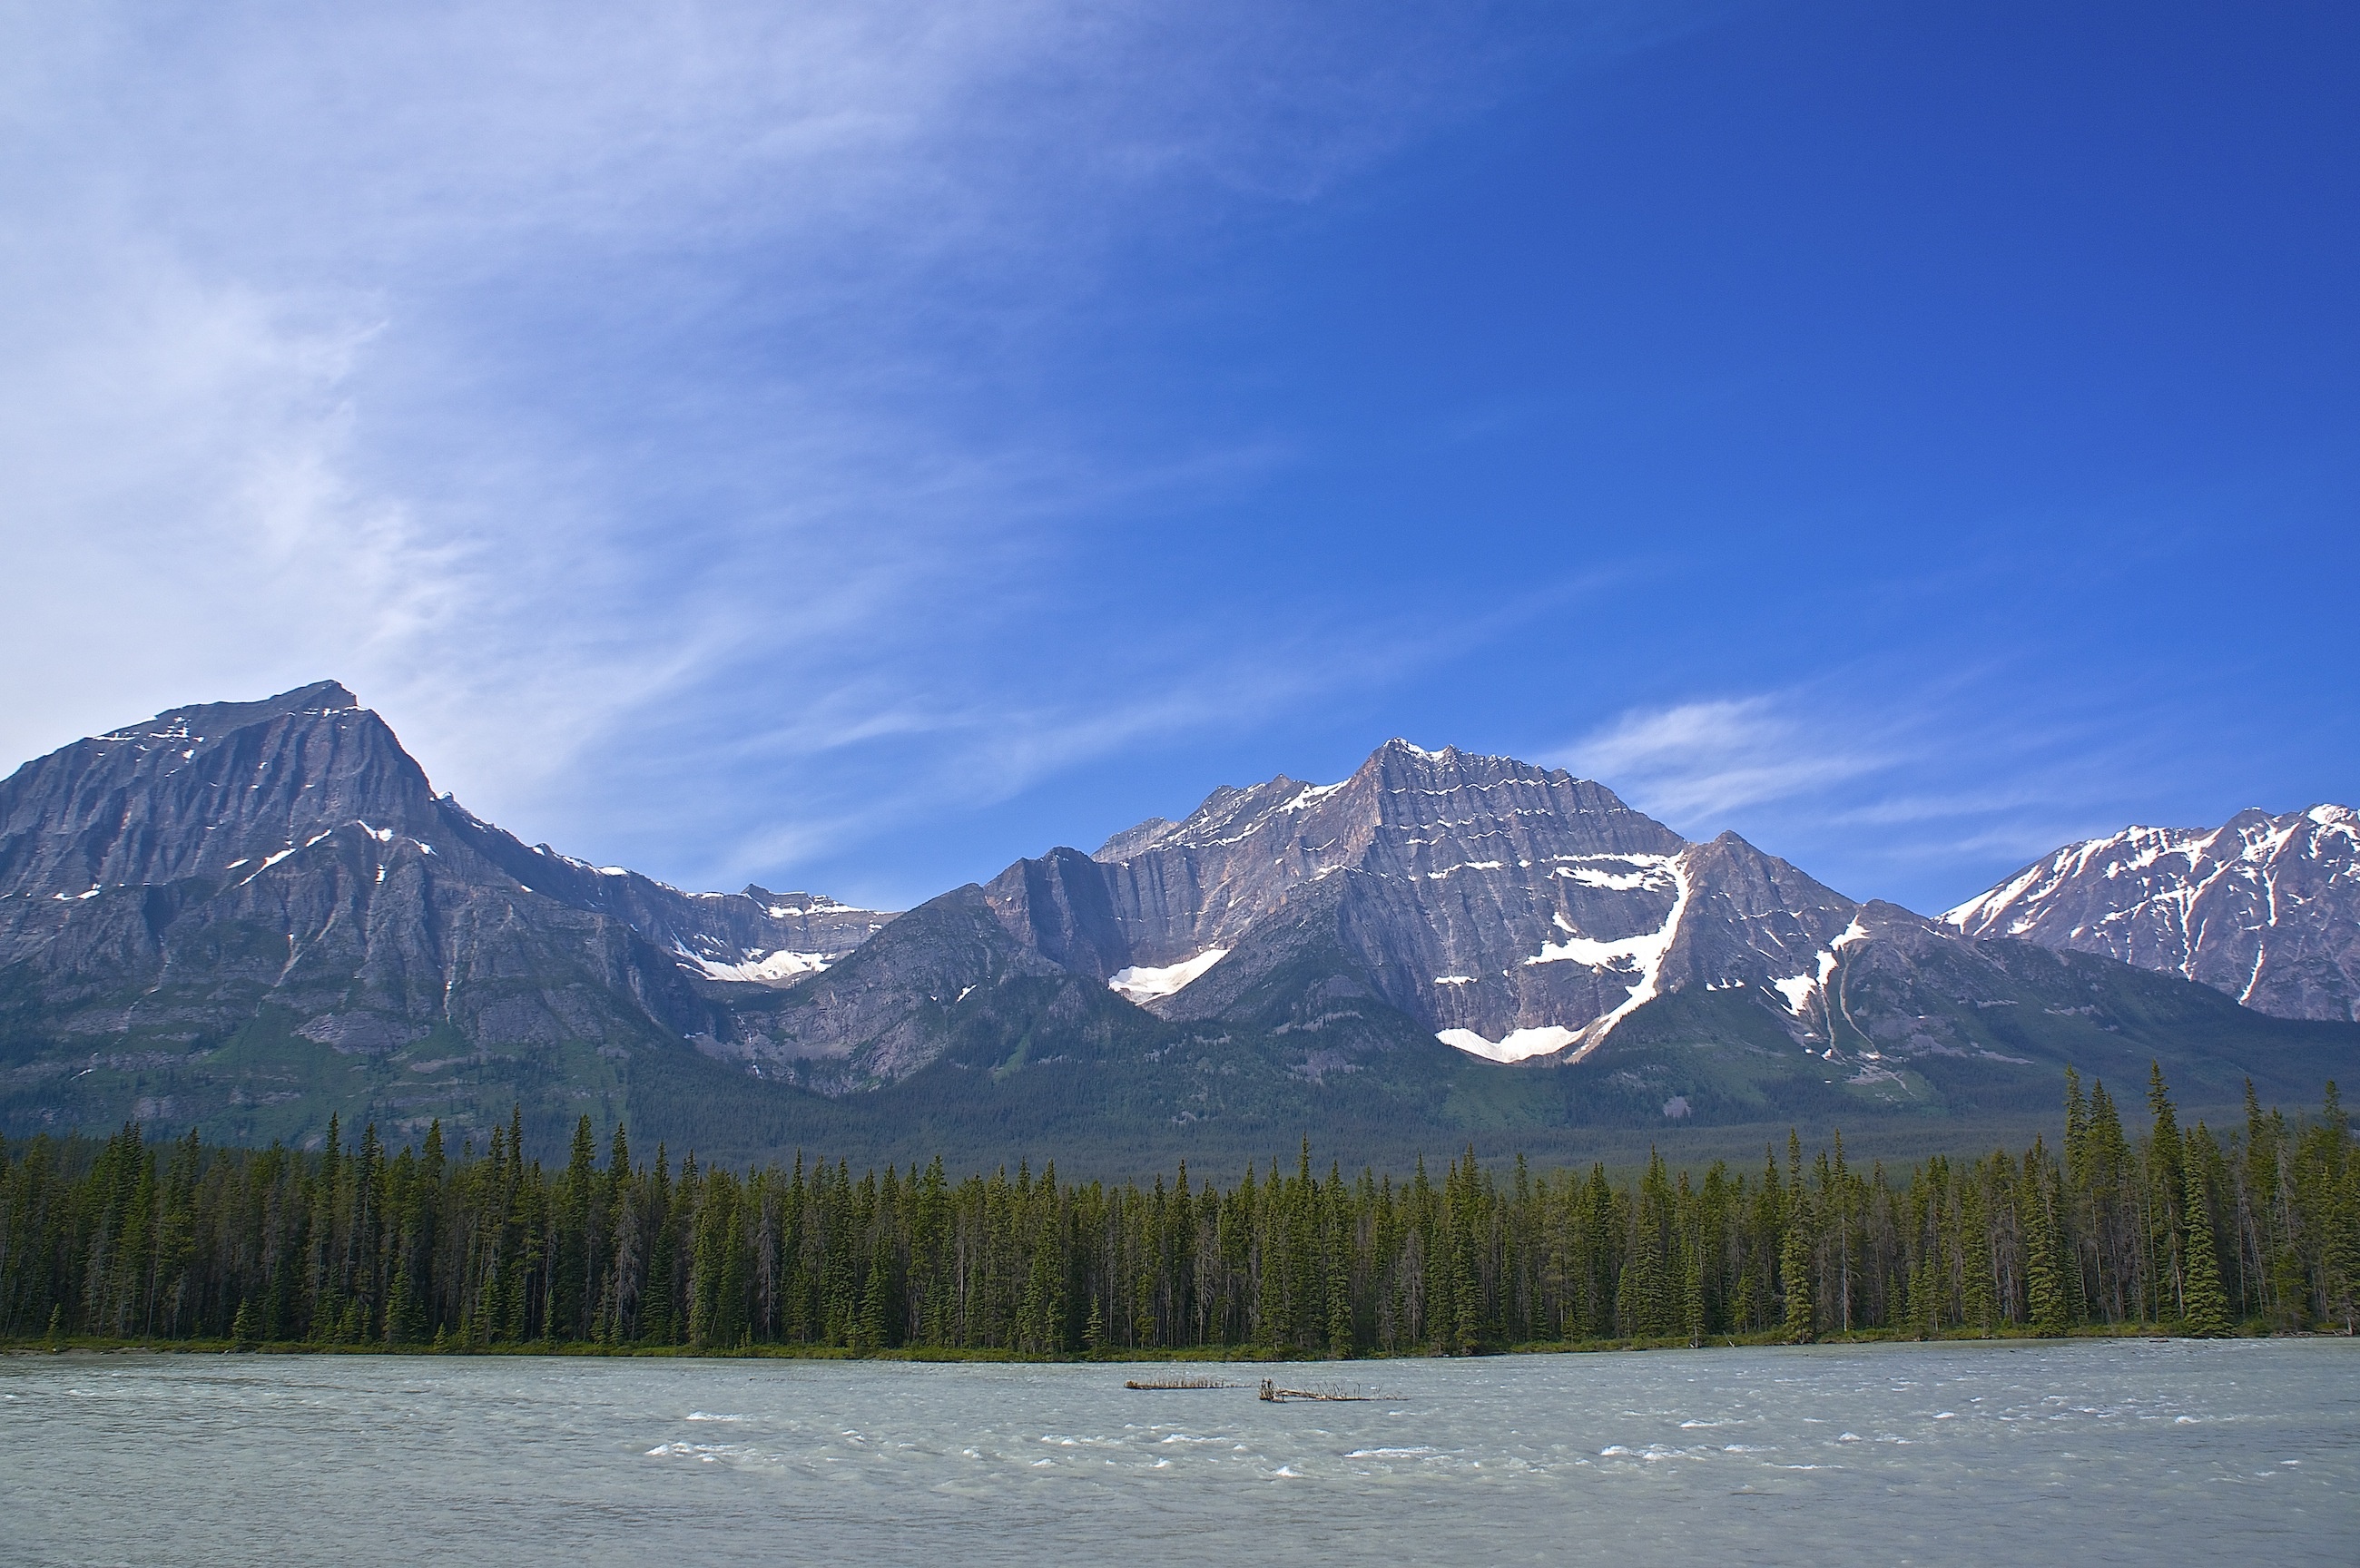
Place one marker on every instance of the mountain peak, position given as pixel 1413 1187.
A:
pixel 193 789
pixel 204 720
pixel 319 697
pixel 2262 907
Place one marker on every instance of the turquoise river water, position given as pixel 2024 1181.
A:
pixel 2089 1452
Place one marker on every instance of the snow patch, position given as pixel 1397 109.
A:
pixel 1798 988
pixel 766 969
pixel 1519 1044
pixel 1653 871
pixel 266 865
pixel 1311 796
pixel 1142 983
pixel 1647 953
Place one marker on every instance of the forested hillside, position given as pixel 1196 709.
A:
pixel 429 1247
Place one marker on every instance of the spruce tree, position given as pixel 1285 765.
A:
pixel 1692 1294
pixel 2048 1292
pixel 1794 1252
pixel 876 1297
pixel 1978 1288
pixel 2167 1224
pixel 2206 1313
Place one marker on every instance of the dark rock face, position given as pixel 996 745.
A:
pixel 199 791
pixel 1513 911
pixel 2265 908
pixel 888 1010
pixel 277 877
pixel 252 914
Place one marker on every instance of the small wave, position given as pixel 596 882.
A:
pixel 1651 1454
pixel 708 1415
pixel 710 1453
pixel 1388 1452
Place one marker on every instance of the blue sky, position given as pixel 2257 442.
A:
pixel 849 447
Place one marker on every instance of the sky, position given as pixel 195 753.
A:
pixel 849 447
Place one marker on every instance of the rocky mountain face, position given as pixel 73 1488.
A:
pixel 2263 909
pixel 1510 912
pixel 266 902
pixel 1513 910
pixel 249 916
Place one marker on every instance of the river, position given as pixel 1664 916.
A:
pixel 2009 1453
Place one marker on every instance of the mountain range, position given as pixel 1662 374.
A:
pixel 2266 909
pixel 248 917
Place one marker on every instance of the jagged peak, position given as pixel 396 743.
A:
pixel 201 721
pixel 1393 768
pixel 1132 840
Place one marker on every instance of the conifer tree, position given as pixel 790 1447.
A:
pixel 2167 1224
pixel 1795 1251
pixel 1978 1290
pixel 2043 1287
pixel 2206 1315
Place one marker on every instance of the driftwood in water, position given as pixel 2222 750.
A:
pixel 1180 1380
pixel 1271 1390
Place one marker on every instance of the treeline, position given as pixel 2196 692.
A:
pixel 354 1244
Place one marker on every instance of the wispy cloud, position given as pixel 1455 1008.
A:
pixel 1919 792
pixel 1703 760
pixel 559 373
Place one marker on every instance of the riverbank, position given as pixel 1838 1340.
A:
pixel 1227 1353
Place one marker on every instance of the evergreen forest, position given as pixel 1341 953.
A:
pixel 2158 1228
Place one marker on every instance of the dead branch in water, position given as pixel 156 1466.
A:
pixel 1180 1380
pixel 1338 1391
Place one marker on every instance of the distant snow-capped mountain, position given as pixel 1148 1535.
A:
pixel 2264 908
pixel 1513 912
pixel 247 881
pixel 1518 911
pixel 257 917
